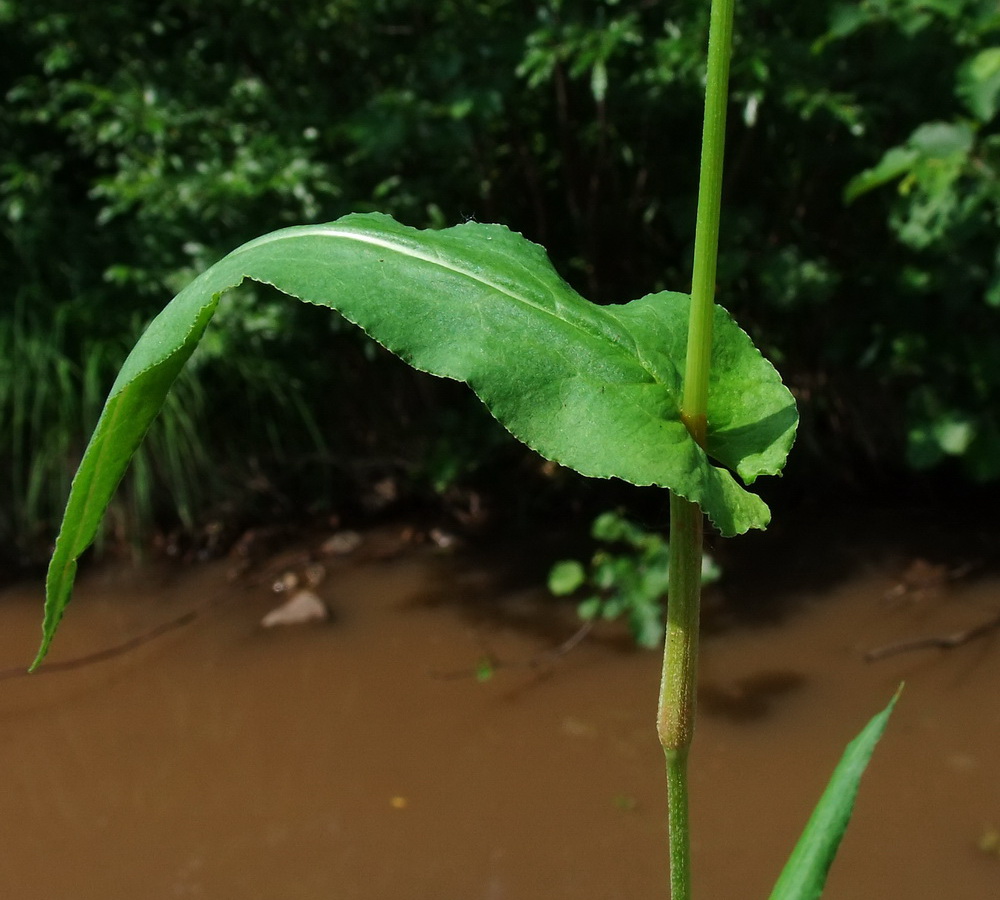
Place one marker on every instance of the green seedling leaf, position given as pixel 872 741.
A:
pixel 589 608
pixel 566 576
pixel 805 872
pixel 591 387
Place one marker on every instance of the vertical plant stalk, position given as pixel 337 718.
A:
pixel 675 716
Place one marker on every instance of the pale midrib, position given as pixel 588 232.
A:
pixel 325 231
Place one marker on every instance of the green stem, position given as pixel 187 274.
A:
pixel 677 806
pixel 706 239
pixel 675 717
pixel 675 720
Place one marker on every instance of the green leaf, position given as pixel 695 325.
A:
pixel 805 872
pixel 979 83
pixel 933 142
pixel 646 624
pixel 565 577
pixel 897 161
pixel 610 527
pixel 589 608
pixel 942 140
pixel 593 388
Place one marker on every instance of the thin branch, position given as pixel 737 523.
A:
pixel 107 653
pixel 944 642
pixel 118 649
pixel 547 656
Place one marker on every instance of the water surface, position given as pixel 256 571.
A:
pixel 362 758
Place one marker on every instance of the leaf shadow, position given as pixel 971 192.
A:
pixel 730 445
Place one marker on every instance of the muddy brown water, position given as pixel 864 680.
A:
pixel 362 759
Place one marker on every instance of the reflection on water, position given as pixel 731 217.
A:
pixel 333 759
pixel 749 697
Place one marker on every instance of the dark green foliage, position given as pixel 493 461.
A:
pixel 943 177
pixel 140 142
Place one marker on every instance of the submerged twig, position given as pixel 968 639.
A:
pixel 944 642
pixel 108 652
pixel 547 656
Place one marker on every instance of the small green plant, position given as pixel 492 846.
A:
pixel 663 390
pixel 631 583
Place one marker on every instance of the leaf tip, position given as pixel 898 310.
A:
pixel 42 650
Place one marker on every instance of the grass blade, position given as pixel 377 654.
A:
pixel 804 875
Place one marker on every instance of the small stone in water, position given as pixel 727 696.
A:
pixel 287 582
pixel 340 543
pixel 304 606
pixel 443 540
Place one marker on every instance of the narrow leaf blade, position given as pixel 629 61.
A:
pixel 127 415
pixel 804 875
